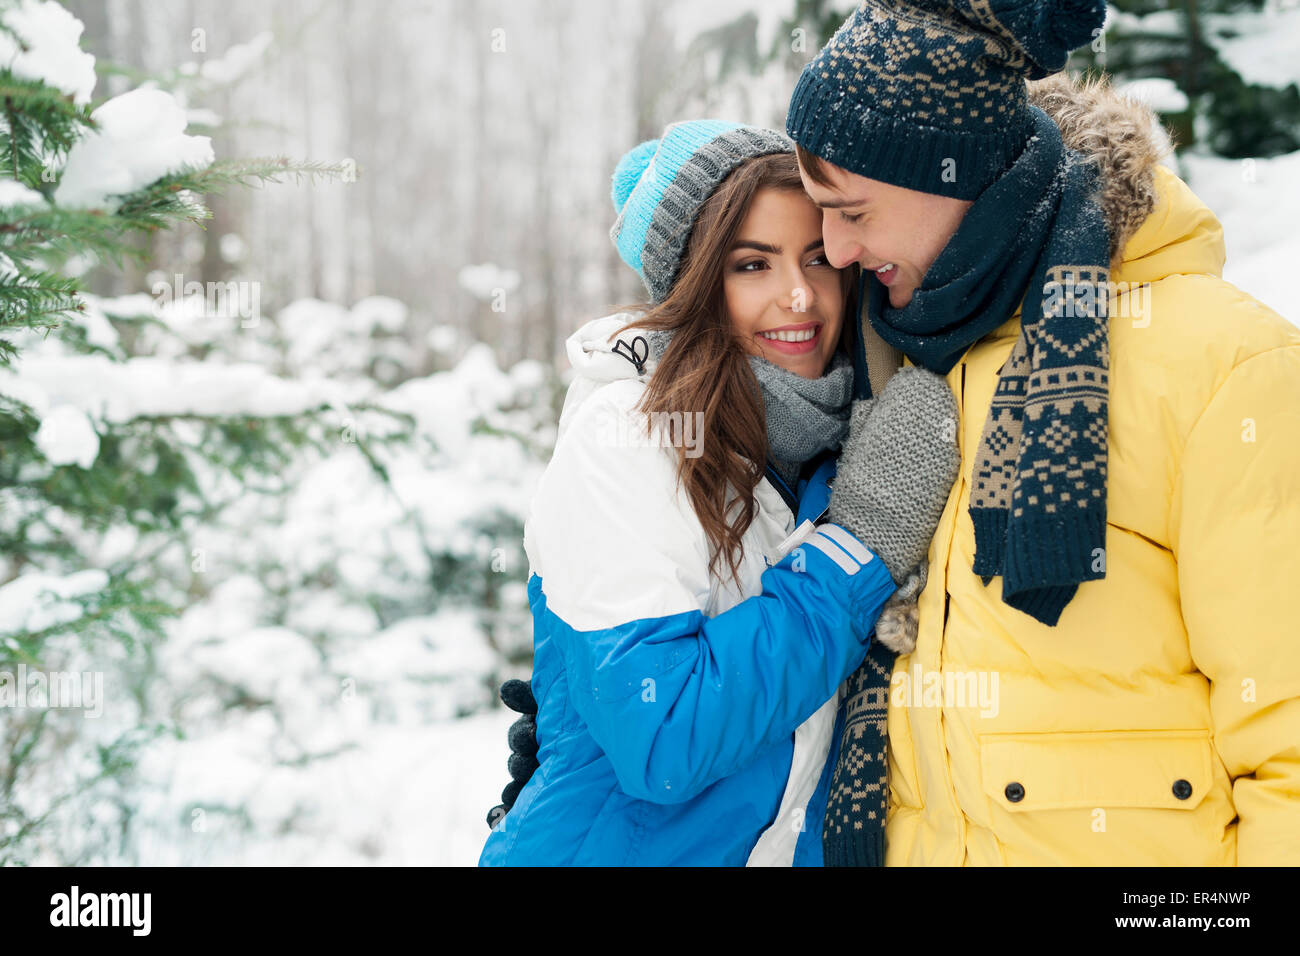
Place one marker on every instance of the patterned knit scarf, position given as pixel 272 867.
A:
pixel 853 829
pixel 1038 492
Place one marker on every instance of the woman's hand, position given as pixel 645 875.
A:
pixel 522 738
pixel 897 468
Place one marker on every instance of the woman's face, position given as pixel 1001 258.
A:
pixel 784 298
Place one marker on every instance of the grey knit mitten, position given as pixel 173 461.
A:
pixel 897 467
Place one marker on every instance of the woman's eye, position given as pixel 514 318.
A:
pixel 745 266
pixel 819 261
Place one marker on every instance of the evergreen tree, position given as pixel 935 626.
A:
pixel 67 483
pixel 1227 113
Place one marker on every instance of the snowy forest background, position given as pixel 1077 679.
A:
pixel 280 513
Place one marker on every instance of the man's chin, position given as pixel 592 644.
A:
pixel 898 298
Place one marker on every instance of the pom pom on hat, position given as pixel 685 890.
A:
pixel 1049 31
pixel 629 170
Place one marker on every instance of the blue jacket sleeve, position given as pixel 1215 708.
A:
pixel 679 702
pixel 676 699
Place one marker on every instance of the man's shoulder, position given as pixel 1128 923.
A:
pixel 1192 324
pixel 1175 345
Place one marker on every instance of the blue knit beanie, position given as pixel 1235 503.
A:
pixel 659 186
pixel 930 94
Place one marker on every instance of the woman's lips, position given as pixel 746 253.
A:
pixel 793 348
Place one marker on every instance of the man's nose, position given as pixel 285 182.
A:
pixel 841 248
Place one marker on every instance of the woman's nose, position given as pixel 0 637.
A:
pixel 801 296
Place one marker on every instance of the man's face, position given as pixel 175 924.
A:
pixel 895 232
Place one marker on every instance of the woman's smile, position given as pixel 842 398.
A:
pixel 792 339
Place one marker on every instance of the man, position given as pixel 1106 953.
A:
pixel 1107 665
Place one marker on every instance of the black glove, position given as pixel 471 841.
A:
pixel 522 737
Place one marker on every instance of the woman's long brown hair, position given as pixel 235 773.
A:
pixel 706 365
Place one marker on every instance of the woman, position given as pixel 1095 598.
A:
pixel 692 624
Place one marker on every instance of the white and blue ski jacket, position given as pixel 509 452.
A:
pixel 680 721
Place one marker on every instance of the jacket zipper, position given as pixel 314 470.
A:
pixel 792 502
pixel 779 484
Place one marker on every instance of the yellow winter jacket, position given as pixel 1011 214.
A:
pixel 1159 722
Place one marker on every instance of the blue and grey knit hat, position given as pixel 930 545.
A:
pixel 660 185
pixel 930 94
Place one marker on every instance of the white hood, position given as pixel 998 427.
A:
pixel 595 363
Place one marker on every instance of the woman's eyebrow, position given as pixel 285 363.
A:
pixel 770 249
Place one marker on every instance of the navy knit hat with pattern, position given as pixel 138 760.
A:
pixel 930 94
pixel 659 186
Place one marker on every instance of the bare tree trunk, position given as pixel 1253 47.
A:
pixel 309 201
pixel 484 327
pixel 357 55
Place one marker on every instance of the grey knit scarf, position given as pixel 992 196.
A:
pixel 805 416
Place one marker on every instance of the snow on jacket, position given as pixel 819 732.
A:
pixel 681 720
pixel 1159 722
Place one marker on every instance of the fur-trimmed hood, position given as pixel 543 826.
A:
pixel 1121 135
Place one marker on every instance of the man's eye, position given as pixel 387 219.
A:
pixel 855 217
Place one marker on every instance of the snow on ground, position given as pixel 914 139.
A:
pixel 404 795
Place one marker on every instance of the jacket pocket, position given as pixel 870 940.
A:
pixel 1159 769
